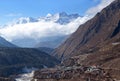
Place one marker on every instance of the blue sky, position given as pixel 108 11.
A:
pixel 11 9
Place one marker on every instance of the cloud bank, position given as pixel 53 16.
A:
pixel 37 30
pixel 94 10
pixel 40 29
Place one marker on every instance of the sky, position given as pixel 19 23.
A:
pixel 14 9
pixel 10 9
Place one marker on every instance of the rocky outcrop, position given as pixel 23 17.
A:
pixel 73 73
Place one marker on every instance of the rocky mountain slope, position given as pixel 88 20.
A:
pixel 92 53
pixel 73 73
pixel 104 26
pixel 5 43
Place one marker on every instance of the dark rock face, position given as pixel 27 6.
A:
pixel 103 27
pixel 116 31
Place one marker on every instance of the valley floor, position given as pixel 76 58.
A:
pixel 75 73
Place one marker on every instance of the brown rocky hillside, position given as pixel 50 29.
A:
pixel 104 26
pixel 92 53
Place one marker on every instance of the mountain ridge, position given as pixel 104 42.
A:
pixel 92 53
pixel 60 18
pixel 5 43
pixel 88 35
pixel 54 22
pixel 13 60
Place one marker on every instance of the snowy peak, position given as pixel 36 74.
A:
pixel 29 31
pixel 60 18
pixel 24 20
pixel 64 18
pixel 64 14
pixel 49 17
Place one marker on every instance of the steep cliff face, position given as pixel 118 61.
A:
pixel 104 26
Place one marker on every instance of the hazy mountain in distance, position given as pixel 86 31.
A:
pixel 5 43
pixel 53 42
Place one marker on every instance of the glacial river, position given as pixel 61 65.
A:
pixel 28 76
pixel 25 77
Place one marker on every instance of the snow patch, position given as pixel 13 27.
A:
pixel 27 76
pixel 116 43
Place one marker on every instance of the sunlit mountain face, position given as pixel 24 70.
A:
pixel 52 29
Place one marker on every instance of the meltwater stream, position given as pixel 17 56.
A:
pixel 28 75
pixel 25 77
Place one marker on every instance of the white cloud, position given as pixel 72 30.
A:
pixel 40 29
pixel 13 14
pixel 103 3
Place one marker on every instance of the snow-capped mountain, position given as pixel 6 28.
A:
pixel 64 18
pixel 24 20
pixel 60 18
pixel 49 17
pixel 29 31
